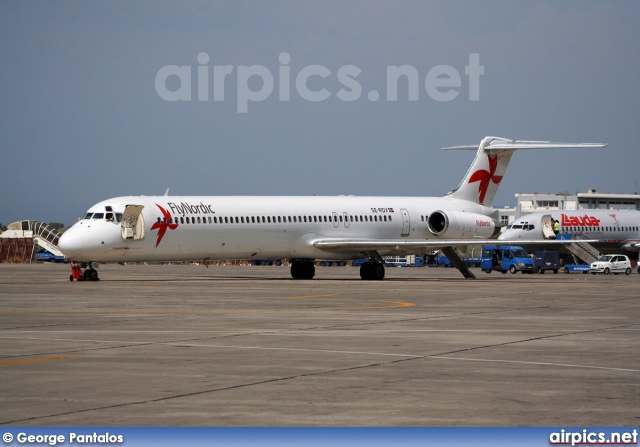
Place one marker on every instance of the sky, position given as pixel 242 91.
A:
pixel 106 99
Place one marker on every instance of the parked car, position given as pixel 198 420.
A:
pixel 611 264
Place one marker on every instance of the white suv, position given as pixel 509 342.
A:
pixel 611 264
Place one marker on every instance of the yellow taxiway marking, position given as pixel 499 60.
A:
pixel 303 297
pixel 375 304
pixel 37 360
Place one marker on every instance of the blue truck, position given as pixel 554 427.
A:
pixel 506 258
pixel 547 260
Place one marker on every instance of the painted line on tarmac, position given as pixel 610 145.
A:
pixel 386 304
pixel 564 365
pixel 36 360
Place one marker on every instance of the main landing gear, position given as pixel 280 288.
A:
pixel 302 269
pixel 89 274
pixel 372 271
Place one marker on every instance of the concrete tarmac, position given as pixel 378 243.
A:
pixel 248 346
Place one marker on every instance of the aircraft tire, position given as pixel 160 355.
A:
pixel 296 269
pixel 365 271
pixel 377 271
pixel 308 270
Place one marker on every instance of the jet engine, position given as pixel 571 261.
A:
pixel 460 225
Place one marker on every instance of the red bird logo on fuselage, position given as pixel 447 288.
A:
pixel 163 224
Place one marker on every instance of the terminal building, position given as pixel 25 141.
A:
pixel 591 200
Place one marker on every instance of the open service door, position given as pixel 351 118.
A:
pixel 547 227
pixel 132 224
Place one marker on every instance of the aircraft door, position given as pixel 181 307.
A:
pixel 406 223
pixel 132 224
pixel 547 227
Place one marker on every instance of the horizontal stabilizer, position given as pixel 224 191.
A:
pixel 502 144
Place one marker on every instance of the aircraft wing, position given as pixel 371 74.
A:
pixel 369 245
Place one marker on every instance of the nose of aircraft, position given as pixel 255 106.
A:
pixel 71 243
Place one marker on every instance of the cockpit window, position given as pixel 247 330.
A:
pixel 98 216
pixel 118 217
pixel 509 226
pixel 88 215
pixel 517 227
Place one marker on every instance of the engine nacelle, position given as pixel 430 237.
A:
pixel 458 225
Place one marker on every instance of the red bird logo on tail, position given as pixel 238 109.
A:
pixel 484 177
pixel 162 225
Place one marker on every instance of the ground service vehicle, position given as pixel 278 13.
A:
pixel 577 268
pixel 547 260
pixel 506 258
pixel 611 264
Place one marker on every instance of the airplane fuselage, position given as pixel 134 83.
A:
pixel 616 230
pixel 173 228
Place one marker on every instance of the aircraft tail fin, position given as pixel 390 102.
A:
pixel 481 182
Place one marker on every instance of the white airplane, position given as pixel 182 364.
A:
pixel 616 230
pixel 302 229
